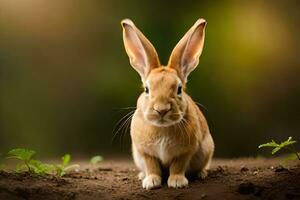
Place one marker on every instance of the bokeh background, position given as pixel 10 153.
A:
pixel 65 77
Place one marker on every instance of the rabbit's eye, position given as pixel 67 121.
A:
pixel 146 90
pixel 179 90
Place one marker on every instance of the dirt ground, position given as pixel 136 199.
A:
pixel 230 179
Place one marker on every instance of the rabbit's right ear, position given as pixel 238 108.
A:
pixel 185 56
pixel 142 55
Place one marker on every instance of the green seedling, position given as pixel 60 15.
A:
pixel 61 169
pixel 96 159
pixel 37 167
pixel 24 155
pixel 27 162
pixel 40 168
pixel 288 144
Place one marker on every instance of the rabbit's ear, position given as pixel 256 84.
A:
pixel 141 53
pixel 185 56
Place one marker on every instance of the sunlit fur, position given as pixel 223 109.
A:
pixel 185 132
pixel 180 140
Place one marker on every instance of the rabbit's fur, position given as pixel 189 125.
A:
pixel 168 130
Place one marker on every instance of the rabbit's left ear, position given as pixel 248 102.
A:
pixel 142 55
pixel 185 56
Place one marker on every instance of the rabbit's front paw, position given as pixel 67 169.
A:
pixel 177 181
pixel 141 176
pixel 202 174
pixel 152 181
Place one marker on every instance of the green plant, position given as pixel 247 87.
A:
pixel 96 159
pixel 40 168
pixel 61 169
pixel 37 167
pixel 288 144
pixel 27 161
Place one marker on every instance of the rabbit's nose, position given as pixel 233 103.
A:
pixel 162 109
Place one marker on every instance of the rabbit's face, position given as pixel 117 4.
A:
pixel 163 103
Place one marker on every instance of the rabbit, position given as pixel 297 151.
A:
pixel 168 130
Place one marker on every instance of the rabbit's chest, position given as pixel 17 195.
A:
pixel 164 148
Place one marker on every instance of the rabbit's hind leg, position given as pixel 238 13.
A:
pixel 201 160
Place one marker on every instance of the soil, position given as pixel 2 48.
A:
pixel 251 178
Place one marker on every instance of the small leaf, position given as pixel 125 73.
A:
pixel 70 167
pixel 96 159
pixel 21 154
pixel 62 173
pixel 66 159
pixel 275 150
pixel 40 168
pixel 59 170
pixel 288 142
pixel 21 167
pixel 269 144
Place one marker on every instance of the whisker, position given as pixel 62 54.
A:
pixel 120 124
pixel 127 124
pixel 125 108
pixel 201 106
pixel 124 117
pixel 124 124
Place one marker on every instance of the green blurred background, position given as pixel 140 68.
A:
pixel 64 74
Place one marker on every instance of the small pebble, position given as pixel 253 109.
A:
pixel 77 170
pixel 244 169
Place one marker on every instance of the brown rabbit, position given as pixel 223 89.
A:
pixel 168 130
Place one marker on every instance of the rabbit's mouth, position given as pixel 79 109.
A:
pixel 164 121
